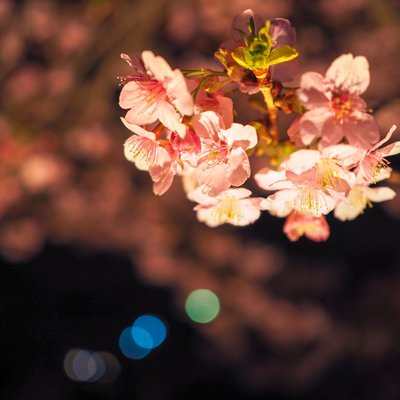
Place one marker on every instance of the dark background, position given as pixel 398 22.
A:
pixel 86 247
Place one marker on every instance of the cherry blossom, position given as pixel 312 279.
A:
pixel 373 161
pixel 335 110
pixel 223 161
pixel 314 228
pixel 310 182
pixel 233 206
pixel 333 156
pixel 359 198
pixel 155 92
pixel 150 154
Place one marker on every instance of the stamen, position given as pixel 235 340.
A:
pixel 329 174
pixel 141 150
pixel 311 201
pixel 373 165
pixel 213 157
pixel 228 210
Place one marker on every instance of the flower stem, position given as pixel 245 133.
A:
pixel 206 72
pixel 272 113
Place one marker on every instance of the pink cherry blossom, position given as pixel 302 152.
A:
pixel 310 182
pixel 218 103
pixel 233 206
pixel 373 161
pixel 223 161
pixel 359 198
pixel 314 228
pixel 155 92
pixel 150 154
pixel 335 110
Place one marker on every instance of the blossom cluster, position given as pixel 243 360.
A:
pixel 183 126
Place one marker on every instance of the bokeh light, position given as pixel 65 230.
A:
pixel 202 306
pixel 129 346
pixel 154 328
pixel 142 337
pixel 89 366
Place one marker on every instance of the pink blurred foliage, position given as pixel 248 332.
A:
pixel 63 178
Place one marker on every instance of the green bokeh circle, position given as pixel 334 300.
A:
pixel 202 306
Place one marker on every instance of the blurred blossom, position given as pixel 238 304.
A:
pixel 338 11
pixel 25 83
pixel 10 193
pixel 259 261
pixel 21 239
pixel 6 7
pixel 44 172
pixel 182 23
pixel 40 20
pixel 12 47
pixel 58 80
pixel 91 142
pixel 73 37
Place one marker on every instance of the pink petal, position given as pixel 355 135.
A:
pixel 302 160
pixel 346 154
pixel 269 179
pixel 157 66
pixel 312 123
pixel 240 22
pixel 140 150
pixel 214 180
pixel 239 167
pixel 225 109
pixel 133 94
pixel 240 193
pixel 282 32
pixel 138 130
pixel 331 132
pixel 281 203
pixel 178 93
pixel 350 74
pixel 314 228
pixel 207 124
pixel 286 71
pixel 170 119
pixel 161 186
pixel 239 135
pixel 312 92
pixel 361 133
pixel 387 149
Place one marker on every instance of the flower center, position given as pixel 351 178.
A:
pixel 373 164
pixel 229 210
pixel 342 106
pixel 329 175
pixel 142 150
pixel 310 201
pixel 214 156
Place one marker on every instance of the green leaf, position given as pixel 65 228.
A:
pixel 252 27
pixel 239 55
pixel 282 54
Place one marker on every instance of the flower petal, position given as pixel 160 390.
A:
pixel 350 74
pixel 312 92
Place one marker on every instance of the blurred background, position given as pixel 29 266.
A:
pixel 88 253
